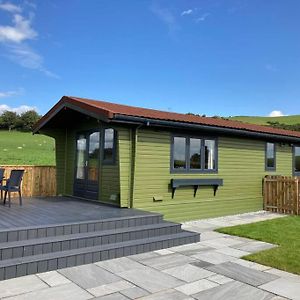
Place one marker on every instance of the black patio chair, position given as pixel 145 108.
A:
pixel 1 180
pixel 13 184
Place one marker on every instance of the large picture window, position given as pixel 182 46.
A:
pixel 296 162
pixel 193 154
pixel 270 157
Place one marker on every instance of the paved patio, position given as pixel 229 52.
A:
pixel 211 269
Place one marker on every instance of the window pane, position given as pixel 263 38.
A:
pixel 109 144
pixel 209 155
pixel 270 155
pixel 93 162
pixel 195 153
pixel 297 159
pixel 81 148
pixel 179 153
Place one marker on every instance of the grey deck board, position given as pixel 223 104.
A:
pixel 58 210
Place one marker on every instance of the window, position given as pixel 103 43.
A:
pixel 270 157
pixel 180 153
pixel 193 154
pixel 296 160
pixel 81 148
pixel 109 145
pixel 210 157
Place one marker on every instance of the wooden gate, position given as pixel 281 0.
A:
pixel 281 194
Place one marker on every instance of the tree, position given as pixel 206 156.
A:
pixel 28 119
pixel 9 120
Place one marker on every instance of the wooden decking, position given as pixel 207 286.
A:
pixel 57 210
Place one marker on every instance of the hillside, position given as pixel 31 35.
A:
pixel 288 120
pixel 24 148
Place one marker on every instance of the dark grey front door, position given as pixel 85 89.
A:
pixel 86 184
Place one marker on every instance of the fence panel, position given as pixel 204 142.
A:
pixel 281 194
pixel 37 180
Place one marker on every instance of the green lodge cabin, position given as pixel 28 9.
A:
pixel 183 166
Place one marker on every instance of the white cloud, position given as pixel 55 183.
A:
pixel 7 94
pixel 187 12
pixel 12 8
pixel 202 17
pixel 16 37
pixel 165 15
pixel 20 109
pixel 21 31
pixel 276 113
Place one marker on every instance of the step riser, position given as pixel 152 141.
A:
pixel 90 257
pixel 50 231
pixel 21 251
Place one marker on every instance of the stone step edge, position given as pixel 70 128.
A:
pixel 75 236
pixel 96 249
pixel 148 215
pixel 13 234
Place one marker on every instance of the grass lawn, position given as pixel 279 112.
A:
pixel 24 148
pixel 289 120
pixel 284 232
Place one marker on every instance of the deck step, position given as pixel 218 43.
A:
pixel 42 231
pixel 16 267
pixel 50 244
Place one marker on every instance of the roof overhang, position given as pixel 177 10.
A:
pixel 207 128
pixel 66 102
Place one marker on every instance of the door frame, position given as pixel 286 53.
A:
pixel 87 133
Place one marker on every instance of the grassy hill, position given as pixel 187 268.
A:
pixel 23 148
pixel 288 120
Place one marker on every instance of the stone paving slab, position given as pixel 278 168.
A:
pixel 188 273
pixel 222 242
pixel 243 274
pixel 150 279
pixel 134 293
pixel 233 291
pixel 167 295
pixel 68 291
pixel 115 296
pixel 89 276
pixel 285 287
pixel 214 257
pixel 211 269
pixel 119 265
pixel 232 252
pixel 20 285
pixel 168 261
pixel 254 246
pixel 110 288
pixel 196 286
pixel 53 278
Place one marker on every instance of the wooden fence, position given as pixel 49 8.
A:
pixel 281 194
pixel 37 180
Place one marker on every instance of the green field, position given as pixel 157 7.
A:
pixel 289 120
pixel 24 148
pixel 283 232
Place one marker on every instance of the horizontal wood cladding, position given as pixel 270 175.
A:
pixel 109 184
pixel 241 166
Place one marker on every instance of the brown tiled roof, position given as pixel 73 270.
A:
pixel 110 110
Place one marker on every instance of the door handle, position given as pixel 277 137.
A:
pixel 86 163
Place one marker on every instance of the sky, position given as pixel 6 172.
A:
pixel 213 57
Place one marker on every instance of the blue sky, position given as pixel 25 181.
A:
pixel 214 57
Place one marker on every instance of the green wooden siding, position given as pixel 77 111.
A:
pixel 241 166
pixel 109 183
pixel 125 165
pixel 142 172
